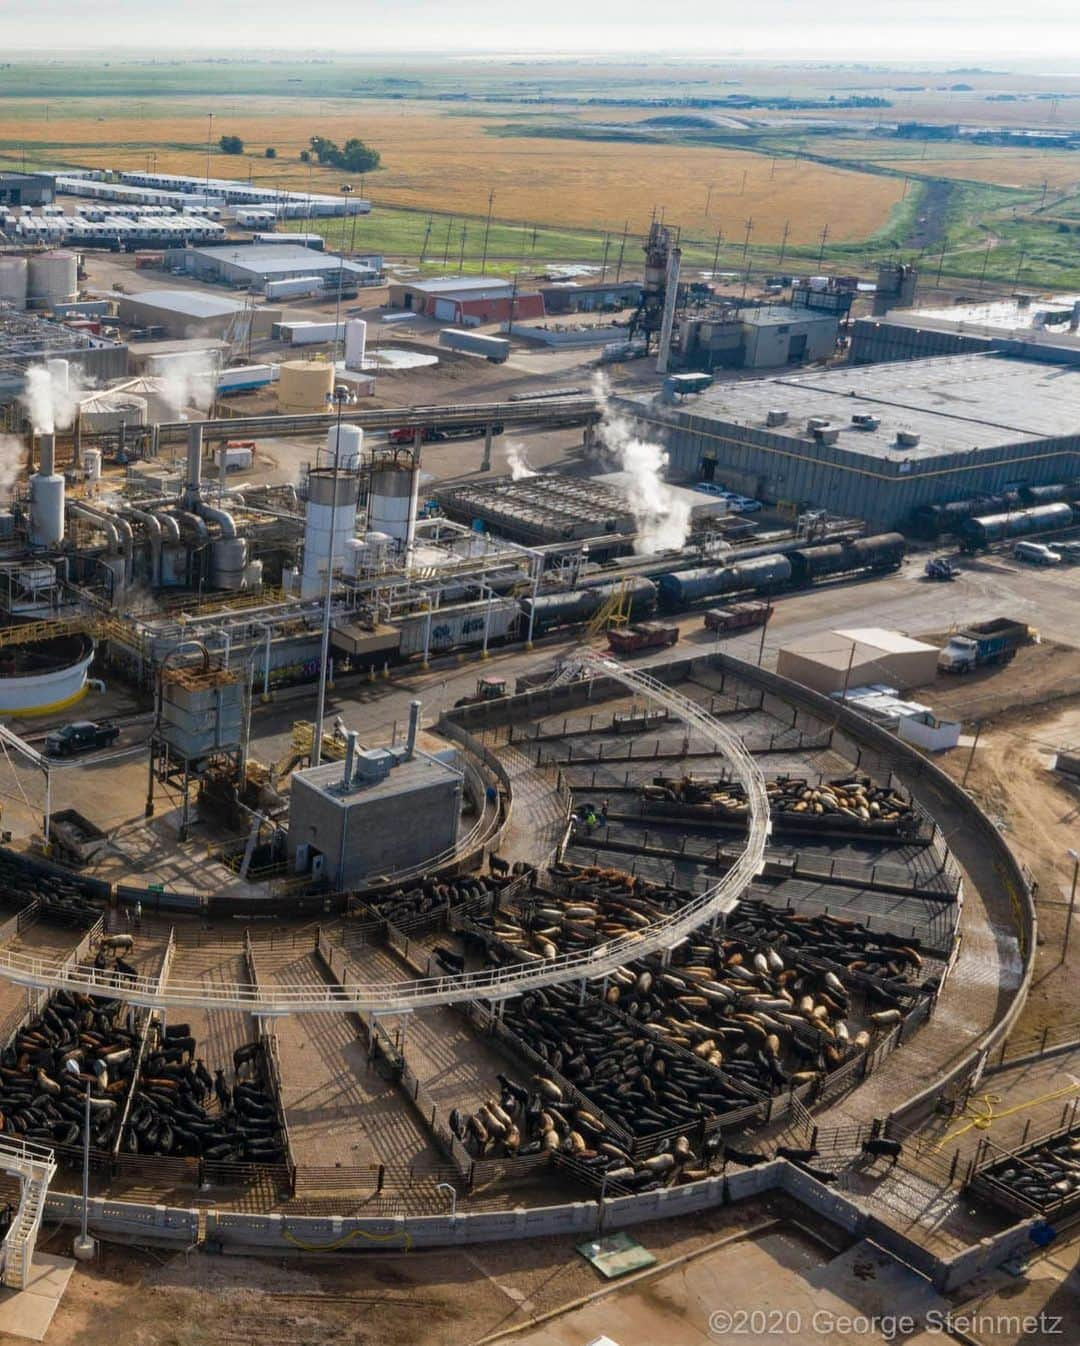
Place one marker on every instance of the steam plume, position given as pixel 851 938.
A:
pixel 187 381
pixel 50 402
pixel 12 458
pixel 663 520
pixel 517 461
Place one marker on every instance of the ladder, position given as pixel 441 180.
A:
pixel 35 1168
pixel 613 611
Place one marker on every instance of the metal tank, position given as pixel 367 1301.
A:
pixel 578 605
pixel 103 412
pixel 329 523
pixel 883 551
pixel 347 442
pixel 91 464
pixel 763 574
pixel 53 278
pixel 305 386
pixel 355 343
pixel 46 498
pixel 1043 495
pixel 394 485
pixel 987 528
pixel 228 563
pixel 13 281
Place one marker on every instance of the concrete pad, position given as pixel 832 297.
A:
pixel 29 1313
pixel 873 1282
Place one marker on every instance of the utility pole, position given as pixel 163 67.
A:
pixel 324 661
pixel 971 755
pixel 622 251
pixel 603 262
pixel 209 137
pixel 446 250
pixel 746 240
pixel 487 230
pixel 427 235
pixel 513 305
pixel 783 244
pixel 716 253
pixel 824 239
pixel 461 257
pixel 1074 856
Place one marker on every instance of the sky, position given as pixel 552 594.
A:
pixel 944 30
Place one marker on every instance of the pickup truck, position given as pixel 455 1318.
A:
pixel 994 642
pixel 641 636
pixel 432 434
pixel 80 736
pixel 737 616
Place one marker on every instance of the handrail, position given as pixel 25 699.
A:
pixel 497 983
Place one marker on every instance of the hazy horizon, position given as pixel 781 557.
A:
pixel 842 30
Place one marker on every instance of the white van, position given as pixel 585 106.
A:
pixel 1036 553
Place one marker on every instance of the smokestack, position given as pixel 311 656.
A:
pixel 414 729
pixel 350 758
pixel 193 487
pixel 47 455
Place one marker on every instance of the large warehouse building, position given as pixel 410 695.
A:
pixel 466 300
pixel 876 441
pixel 191 313
pixel 1031 327
pixel 252 265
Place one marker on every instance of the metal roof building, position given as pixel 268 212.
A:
pixel 190 313
pixel 876 441
pixel 251 265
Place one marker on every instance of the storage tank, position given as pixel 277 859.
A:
pixel 395 483
pixel 91 464
pixel 13 281
pixel 578 605
pixel 1043 495
pixel 329 523
pixel 46 498
pixel 106 411
pixel 53 278
pixel 762 574
pixel 355 343
pixel 228 562
pixel 347 448
pixel 883 551
pixel 987 528
pixel 305 386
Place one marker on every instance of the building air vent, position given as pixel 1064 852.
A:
pixel 817 423
pixel 776 417
pixel 827 434
pixel 863 420
pixel 908 438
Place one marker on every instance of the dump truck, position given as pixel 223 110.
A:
pixel 641 636
pixel 737 616
pixel 994 642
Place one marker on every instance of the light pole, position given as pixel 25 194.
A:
pixel 1074 856
pixel 320 709
pixel 209 137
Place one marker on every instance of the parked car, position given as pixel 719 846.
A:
pixel 80 736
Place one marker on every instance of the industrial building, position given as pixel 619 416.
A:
pixel 381 810
pixel 877 441
pixel 541 509
pixel 26 189
pixel 254 265
pixel 836 661
pixel 466 300
pixel 755 338
pixel 27 339
pixel 184 314
pixel 1029 327
pixel 571 296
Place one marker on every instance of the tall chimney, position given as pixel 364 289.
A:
pixel 47 455
pixel 414 729
pixel 193 486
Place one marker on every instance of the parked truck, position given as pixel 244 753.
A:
pixel 994 642
pixel 641 636
pixel 737 616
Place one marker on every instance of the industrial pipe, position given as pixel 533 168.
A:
pixel 47 455
pixel 350 758
pixel 153 526
pixel 221 517
pixel 104 522
pixel 414 729
pixel 193 485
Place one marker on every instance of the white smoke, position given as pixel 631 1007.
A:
pixel 187 381
pixel 51 400
pixel 517 461
pixel 12 458
pixel 662 518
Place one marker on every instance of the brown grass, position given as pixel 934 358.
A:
pixel 435 160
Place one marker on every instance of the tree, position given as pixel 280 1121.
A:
pixel 354 157
pixel 305 156
pixel 231 145
pixel 271 153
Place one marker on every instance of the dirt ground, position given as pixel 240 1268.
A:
pixel 415 1299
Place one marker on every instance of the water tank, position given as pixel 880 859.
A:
pixel 46 509
pixel 13 281
pixel 355 343
pixel 53 279
pixel 304 386
pixel 107 411
pixel 392 498
pixel 229 559
pixel 348 450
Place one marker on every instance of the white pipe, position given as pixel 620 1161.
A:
pixel 107 524
pixel 221 517
pixel 153 527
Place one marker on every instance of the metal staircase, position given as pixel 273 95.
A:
pixel 35 1167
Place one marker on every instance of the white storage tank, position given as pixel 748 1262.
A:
pixel 107 411
pixel 347 447
pixel 305 386
pixel 13 281
pixel 91 464
pixel 355 343
pixel 229 562
pixel 329 523
pixel 46 498
pixel 53 278
pixel 395 482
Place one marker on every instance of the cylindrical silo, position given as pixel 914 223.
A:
pixel 229 559
pixel 53 279
pixel 329 523
pixel 102 412
pixel 355 343
pixel 392 498
pixel 91 464
pixel 46 499
pixel 13 281
pixel 305 386
pixel 348 450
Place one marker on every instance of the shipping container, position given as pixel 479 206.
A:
pixel 245 377
pixel 495 349
pixel 294 287
pixel 461 627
